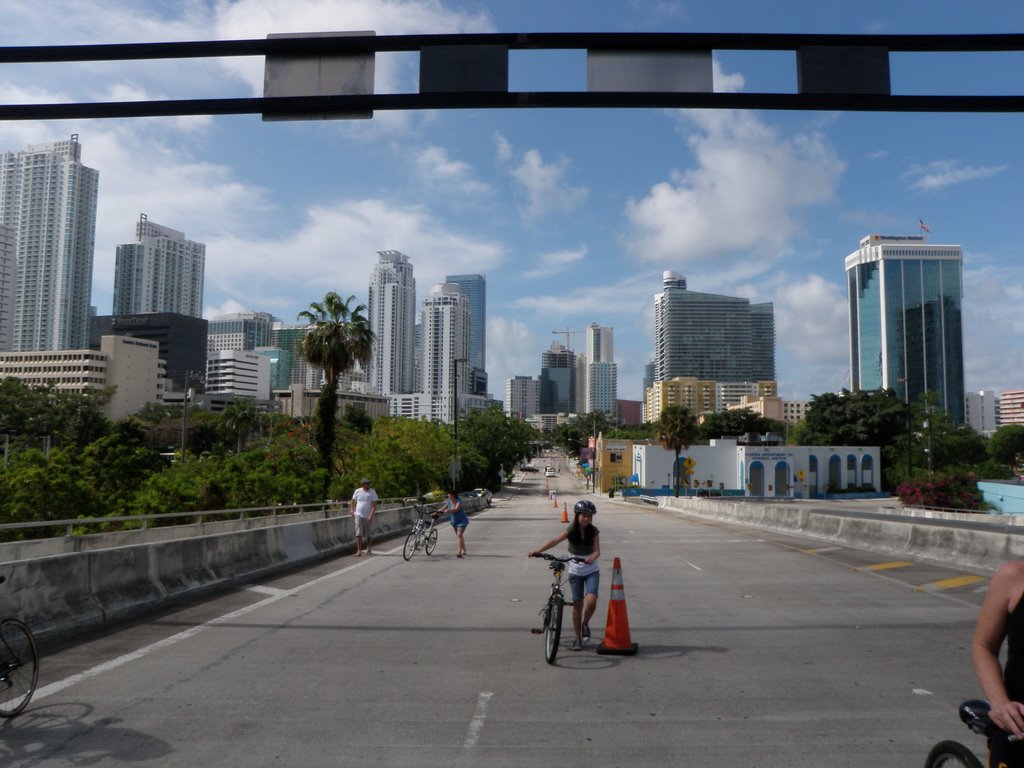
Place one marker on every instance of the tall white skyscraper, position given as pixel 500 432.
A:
pixel 48 197
pixel 161 271
pixel 392 315
pixel 7 286
pixel 446 343
pixel 601 385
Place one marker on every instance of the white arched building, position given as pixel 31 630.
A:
pixel 761 470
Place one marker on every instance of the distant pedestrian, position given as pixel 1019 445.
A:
pixel 363 507
pixel 458 518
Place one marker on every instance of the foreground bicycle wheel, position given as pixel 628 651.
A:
pixel 19 667
pixel 552 630
pixel 410 546
pixel 951 754
pixel 431 542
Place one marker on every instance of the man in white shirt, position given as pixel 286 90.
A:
pixel 363 507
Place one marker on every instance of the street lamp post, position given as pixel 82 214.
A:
pixel 455 418
pixel 910 428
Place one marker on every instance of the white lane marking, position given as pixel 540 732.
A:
pixel 262 590
pixel 107 666
pixel 922 692
pixel 695 567
pixel 477 723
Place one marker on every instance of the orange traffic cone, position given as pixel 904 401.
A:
pixel 554 501
pixel 616 633
pixel 565 513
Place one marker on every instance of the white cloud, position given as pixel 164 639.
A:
pixel 514 351
pixel 335 249
pixel 434 166
pixel 741 201
pixel 946 173
pixel 550 264
pixel 543 186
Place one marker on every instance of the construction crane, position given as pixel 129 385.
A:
pixel 568 332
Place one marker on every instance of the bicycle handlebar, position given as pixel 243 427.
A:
pixel 565 559
pixel 974 714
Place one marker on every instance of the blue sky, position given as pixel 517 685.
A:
pixel 571 215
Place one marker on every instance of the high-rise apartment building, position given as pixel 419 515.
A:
pixel 600 384
pixel 474 288
pixel 48 197
pixel 1011 407
pixel 522 396
pixel 906 334
pixel 980 411
pixel 161 271
pixel 7 286
pixel 392 316
pixel 445 333
pixel 707 336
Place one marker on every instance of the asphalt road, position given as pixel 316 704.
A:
pixel 755 649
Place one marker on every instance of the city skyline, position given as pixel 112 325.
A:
pixel 570 215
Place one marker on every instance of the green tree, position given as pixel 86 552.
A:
pixel 677 431
pixel 1007 445
pixel 738 421
pixel 497 441
pixel 240 418
pixel 403 457
pixel 339 337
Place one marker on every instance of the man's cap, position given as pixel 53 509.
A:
pixel 365 481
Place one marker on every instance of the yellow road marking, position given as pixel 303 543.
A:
pixel 951 583
pixel 883 566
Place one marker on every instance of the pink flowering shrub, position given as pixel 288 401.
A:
pixel 949 492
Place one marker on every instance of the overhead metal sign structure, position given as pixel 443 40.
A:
pixel 330 75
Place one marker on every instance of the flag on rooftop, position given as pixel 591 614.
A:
pixel 922 227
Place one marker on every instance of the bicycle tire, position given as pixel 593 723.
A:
pixel 410 546
pixel 552 630
pixel 19 667
pixel 431 542
pixel 951 754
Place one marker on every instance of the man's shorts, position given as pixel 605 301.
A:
pixel 363 526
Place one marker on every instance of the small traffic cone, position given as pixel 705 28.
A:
pixel 554 501
pixel 565 513
pixel 616 633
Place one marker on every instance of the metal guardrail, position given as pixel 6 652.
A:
pixel 143 522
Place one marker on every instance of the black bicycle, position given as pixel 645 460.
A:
pixel 551 613
pixel 953 754
pixel 423 535
pixel 19 665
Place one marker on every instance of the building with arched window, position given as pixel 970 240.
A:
pixel 727 467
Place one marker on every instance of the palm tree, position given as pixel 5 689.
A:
pixel 339 337
pixel 240 417
pixel 677 431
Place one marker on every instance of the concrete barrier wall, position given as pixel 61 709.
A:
pixel 973 542
pixel 61 594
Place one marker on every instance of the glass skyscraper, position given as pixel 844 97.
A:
pixel 474 288
pixel 906 330
pixel 711 337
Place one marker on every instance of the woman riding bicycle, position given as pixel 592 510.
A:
pixel 584 578
pixel 1002 618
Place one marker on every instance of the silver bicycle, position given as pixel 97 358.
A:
pixel 423 535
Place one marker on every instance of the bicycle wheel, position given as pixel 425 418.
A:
pixel 19 667
pixel 951 754
pixel 431 542
pixel 410 546
pixel 552 630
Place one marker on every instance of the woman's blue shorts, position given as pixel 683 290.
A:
pixel 584 585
